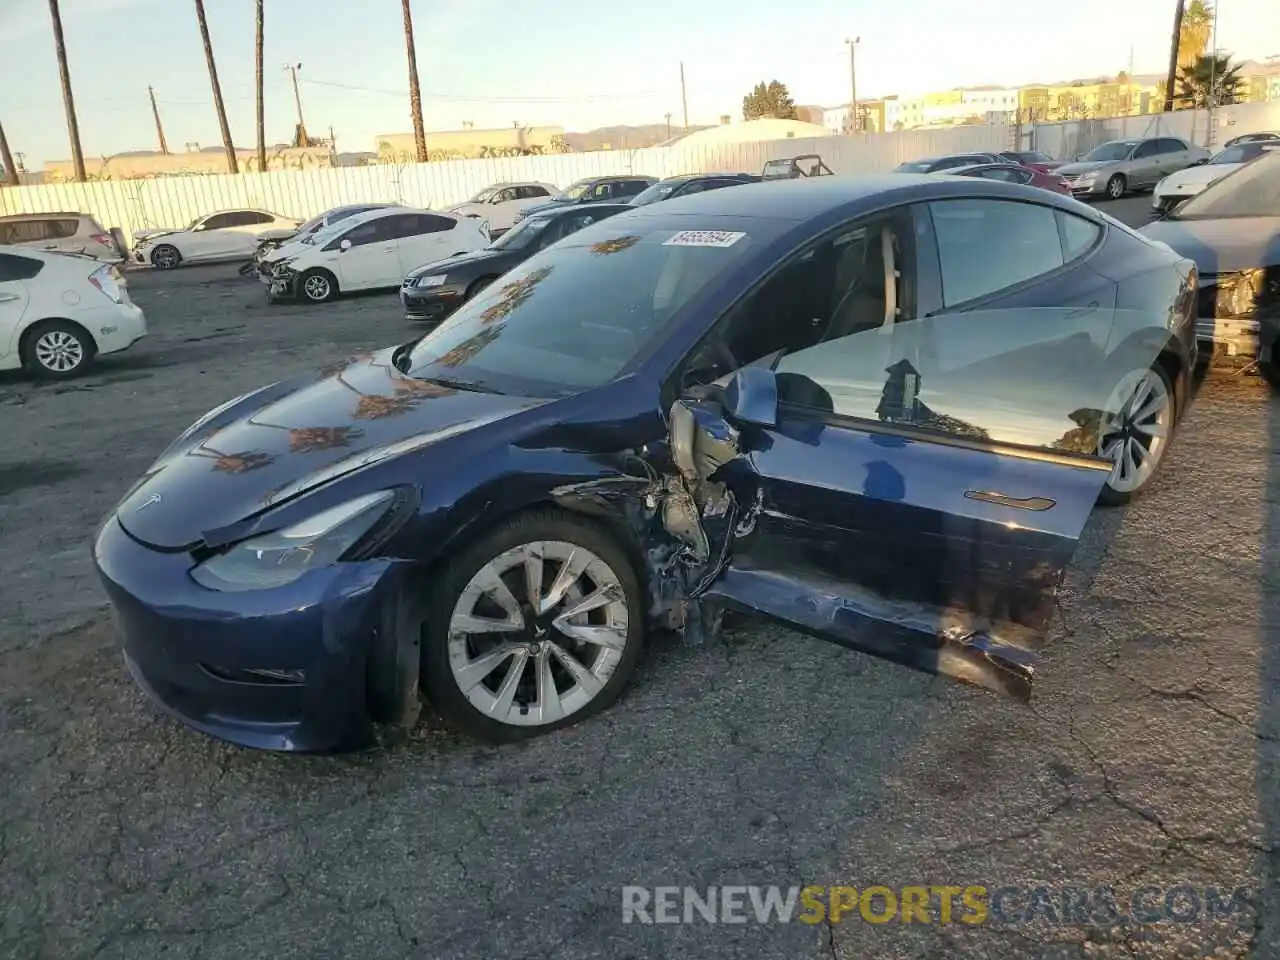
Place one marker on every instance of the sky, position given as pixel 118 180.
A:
pixel 572 63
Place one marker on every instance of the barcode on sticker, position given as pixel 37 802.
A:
pixel 704 238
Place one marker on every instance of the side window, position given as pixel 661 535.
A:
pixel 502 196
pixel 1171 145
pixel 996 173
pixel 366 233
pixel 603 191
pixel 630 188
pixel 532 191
pixel 61 229
pixel 985 246
pixel 431 223
pixel 695 186
pixel 575 223
pixel 950 163
pixel 1148 149
pixel 27 231
pixel 219 221
pixel 1077 234
pixel 251 217
pixel 13 267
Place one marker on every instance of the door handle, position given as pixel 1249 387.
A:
pixel 1081 311
pixel 1018 503
pixel 8 297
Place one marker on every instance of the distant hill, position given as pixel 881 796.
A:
pixel 624 138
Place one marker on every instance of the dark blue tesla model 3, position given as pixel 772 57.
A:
pixel 879 411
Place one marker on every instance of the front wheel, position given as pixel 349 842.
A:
pixel 318 286
pixel 1136 435
pixel 536 626
pixel 1116 187
pixel 165 257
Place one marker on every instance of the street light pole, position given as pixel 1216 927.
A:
pixel 855 121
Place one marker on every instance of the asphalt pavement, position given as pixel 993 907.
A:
pixel 1148 760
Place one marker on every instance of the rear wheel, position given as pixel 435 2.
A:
pixel 165 257
pixel 58 349
pixel 1136 435
pixel 536 626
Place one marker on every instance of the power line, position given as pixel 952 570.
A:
pixel 635 94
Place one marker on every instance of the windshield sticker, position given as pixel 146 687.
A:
pixel 704 238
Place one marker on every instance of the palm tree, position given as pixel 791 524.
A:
pixel 1195 33
pixel 1211 81
pixel 68 101
pixel 375 406
pixel 314 439
pixel 257 79
pixel 232 165
pixel 239 462
pixel 415 95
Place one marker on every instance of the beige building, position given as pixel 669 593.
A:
pixel 142 166
pixel 470 143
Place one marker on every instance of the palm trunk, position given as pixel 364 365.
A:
pixel 6 160
pixel 232 165
pixel 68 101
pixel 1174 43
pixel 257 78
pixel 415 94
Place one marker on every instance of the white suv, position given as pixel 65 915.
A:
pixel 59 311
pixel 61 233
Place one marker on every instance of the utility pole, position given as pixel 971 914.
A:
pixel 232 165
pixel 415 92
pixel 684 98
pixel 6 160
pixel 855 122
pixel 155 112
pixel 1173 55
pixel 258 107
pixel 68 101
pixel 302 138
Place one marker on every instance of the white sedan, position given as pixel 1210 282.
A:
pixel 225 235
pixel 1184 184
pixel 498 205
pixel 58 311
pixel 368 251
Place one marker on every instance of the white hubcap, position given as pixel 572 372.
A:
pixel 59 351
pixel 1135 435
pixel 317 288
pixel 537 633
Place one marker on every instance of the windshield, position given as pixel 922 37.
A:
pixel 576 190
pixel 914 166
pixel 1110 151
pixel 329 231
pixel 1241 153
pixel 1251 191
pixel 659 191
pixel 521 235
pixel 574 316
pixel 484 196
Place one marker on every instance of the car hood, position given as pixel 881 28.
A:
pixel 293 437
pixel 140 235
pixel 1085 166
pixel 1222 246
pixel 460 260
pixel 1199 176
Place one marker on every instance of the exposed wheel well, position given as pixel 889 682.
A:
pixel 474 287
pixel 25 339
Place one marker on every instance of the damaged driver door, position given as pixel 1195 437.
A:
pixel 904 532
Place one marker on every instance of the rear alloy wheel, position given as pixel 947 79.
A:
pixel 1135 436
pixel 165 257
pixel 318 286
pixel 537 626
pixel 1116 187
pixel 58 350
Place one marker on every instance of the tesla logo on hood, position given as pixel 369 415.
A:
pixel 151 501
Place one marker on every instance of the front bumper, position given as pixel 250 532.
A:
pixel 431 304
pixel 192 650
pixel 280 284
pixel 1088 188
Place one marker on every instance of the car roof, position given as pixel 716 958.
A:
pixel 808 197
pixel 707 176
pixel 47 256
pixel 40 216
pixel 394 210
pixel 970 168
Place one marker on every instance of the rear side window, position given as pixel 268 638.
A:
pixel 13 267
pixel 33 231
pixel 1078 235
pixel 531 191
pixel 1170 145
pixel 430 223
pixel 61 229
pixel 219 221
pixel 985 246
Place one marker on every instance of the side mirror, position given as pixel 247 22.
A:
pixel 345 245
pixel 752 397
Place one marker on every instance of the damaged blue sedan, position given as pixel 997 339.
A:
pixel 879 411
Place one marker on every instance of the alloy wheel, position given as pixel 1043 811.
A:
pixel 165 258
pixel 316 287
pixel 1115 188
pixel 537 632
pixel 58 351
pixel 1135 436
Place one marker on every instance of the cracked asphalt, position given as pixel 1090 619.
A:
pixel 1149 757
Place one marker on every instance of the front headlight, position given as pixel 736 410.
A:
pixel 1238 294
pixel 279 558
pixel 433 281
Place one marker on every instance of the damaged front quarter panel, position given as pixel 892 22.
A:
pixel 679 510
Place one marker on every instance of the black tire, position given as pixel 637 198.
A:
pixel 166 257
pixel 1112 497
pixel 50 339
pixel 477 286
pixel 1117 186
pixel 438 681
pixel 318 286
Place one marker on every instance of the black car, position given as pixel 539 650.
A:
pixel 934 164
pixel 435 290
pixel 690 183
pixel 615 189
pixel 1231 229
